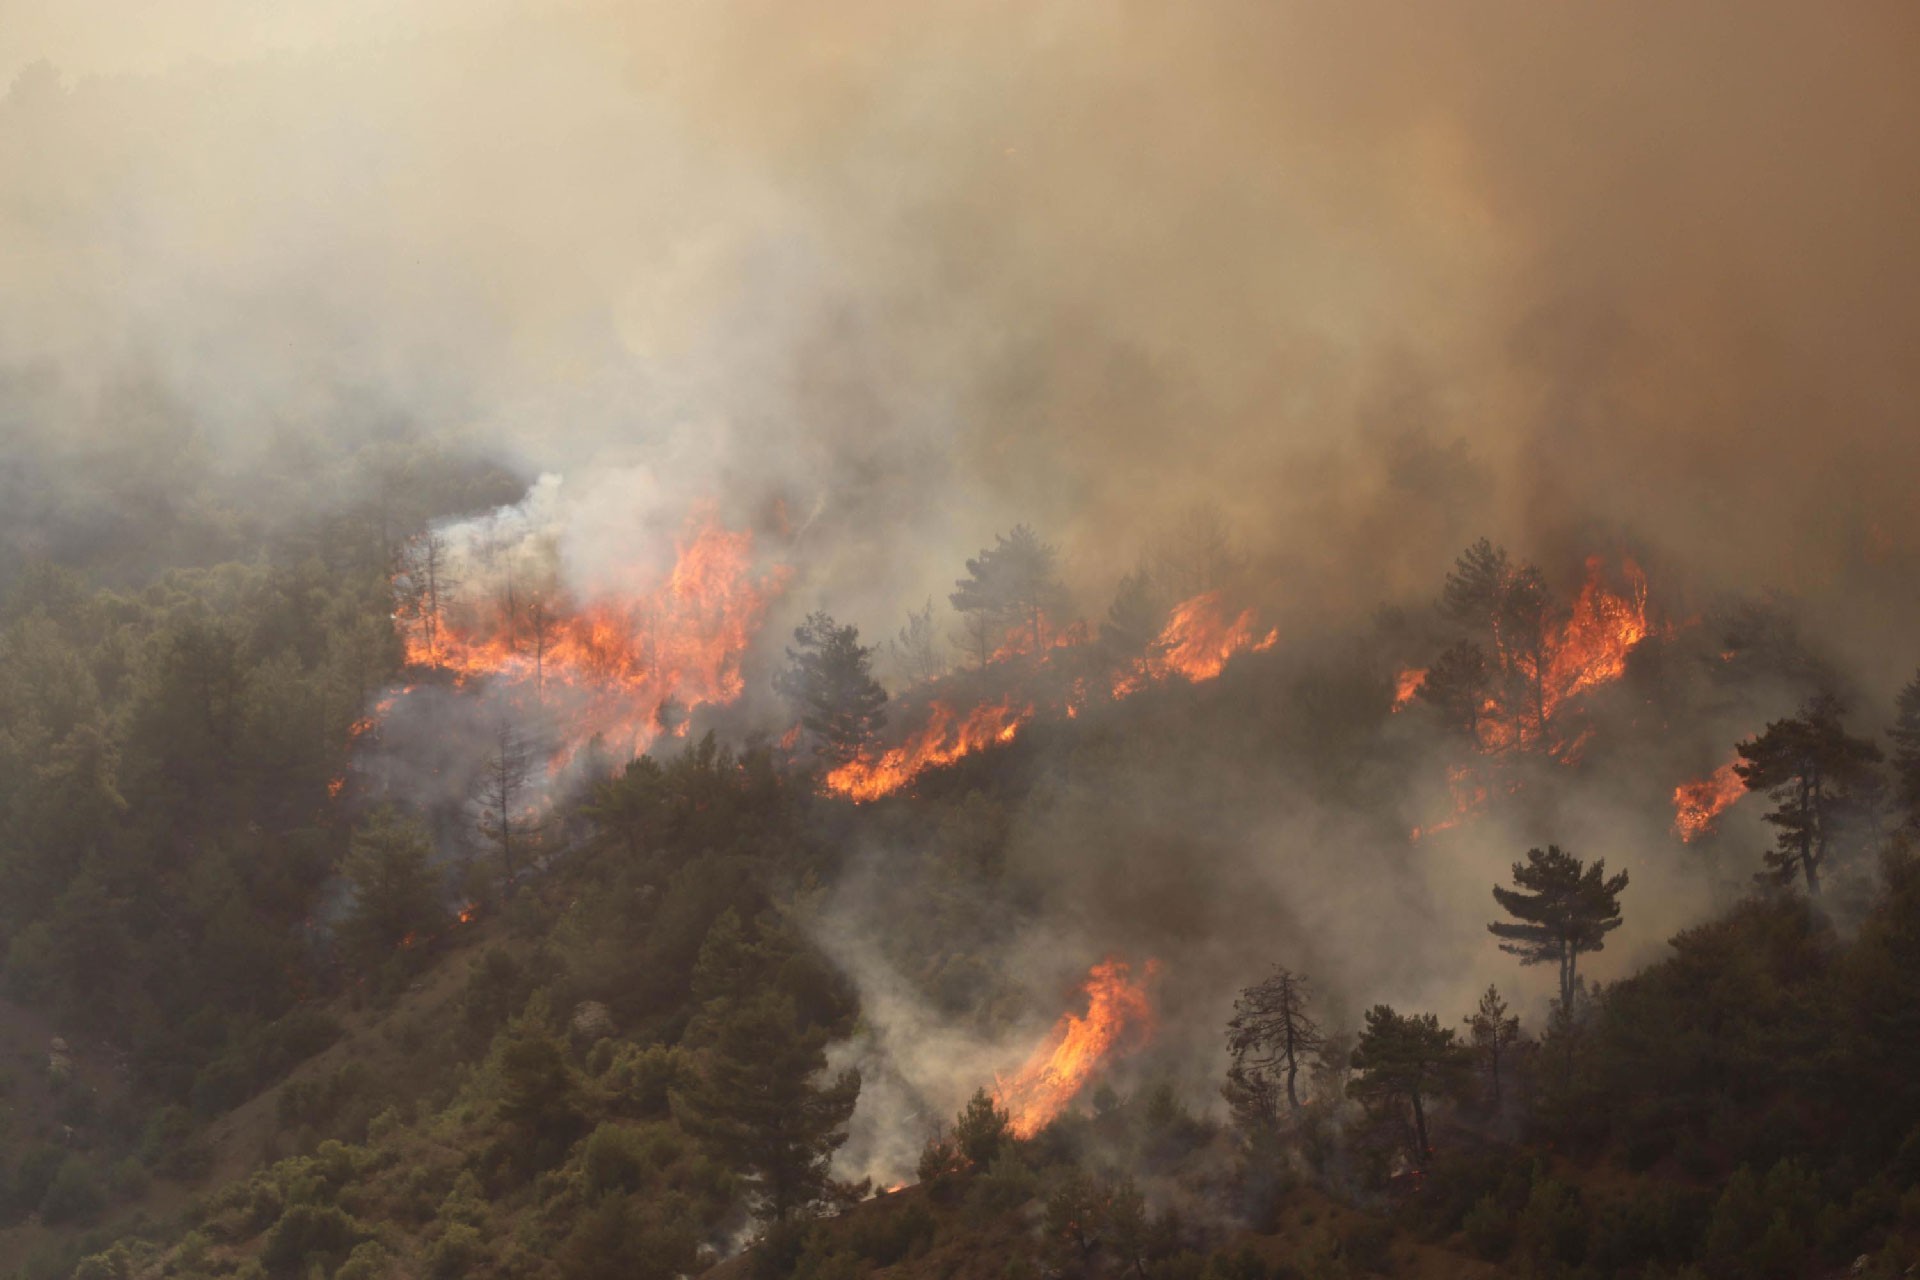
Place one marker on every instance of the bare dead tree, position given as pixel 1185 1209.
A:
pixel 1271 1034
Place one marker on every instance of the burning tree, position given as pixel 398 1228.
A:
pixel 1561 907
pixel 1271 1037
pixel 1012 585
pixel 1407 1059
pixel 426 584
pixel 829 680
pixel 1820 779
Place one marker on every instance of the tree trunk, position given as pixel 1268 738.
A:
pixel 1420 1129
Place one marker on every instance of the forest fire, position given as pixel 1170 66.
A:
pixel 1119 1017
pixel 943 739
pixel 1697 805
pixel 1196 643
pixel 1406 685
pixel 623 667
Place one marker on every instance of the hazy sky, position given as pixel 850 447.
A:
pixel 923 270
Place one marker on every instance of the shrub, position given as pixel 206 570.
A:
pixel 76 1194
pixel 456 1253
pixel 309 1231
pixel 1489 1228
pixel 614 1158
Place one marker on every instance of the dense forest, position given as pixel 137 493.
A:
pixel 964 640
pixel 270 1016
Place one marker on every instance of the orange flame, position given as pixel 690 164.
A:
pixel 1196 643
pixel 1586 651
pixel 617 666
pixel 1119 1018
pixel 335 786
pixel 945 738
pixel 469 912
pixel 1406 685
pixel 1698 805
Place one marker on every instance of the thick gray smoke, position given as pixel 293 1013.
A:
pixel 1369 279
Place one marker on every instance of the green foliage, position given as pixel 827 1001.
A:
pixel 306 1232
pixel 1560 908
pixel 829 680
pixel 457 1252
pixel 396 890
pixel 77 1192
pixel 539 1099
pixel 1824 786
pixel 892 1234
pixel 981 1129
pixel 614 1158
pixel 757 1104
pixel 619 1239
pixel 1407 1059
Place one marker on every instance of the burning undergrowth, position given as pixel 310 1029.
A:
pixel 1149 813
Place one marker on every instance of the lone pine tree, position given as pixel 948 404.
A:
pixel 1560 908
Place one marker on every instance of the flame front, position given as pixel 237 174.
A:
pixel 1119 1018
pixel 946 737
pixel 1698 805
pixel 611 666
pixel 1196 643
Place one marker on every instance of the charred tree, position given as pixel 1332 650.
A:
pixel 1271 1038
pixel 1560 908
pixel 1822 781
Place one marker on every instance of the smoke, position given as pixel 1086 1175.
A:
pixel 1368 281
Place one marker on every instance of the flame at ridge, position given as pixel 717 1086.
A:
pixel 1119 1019
pixel 1199 638
pixel 1196 643
pixel 1697 805
pixel 945 737
pixel 614 666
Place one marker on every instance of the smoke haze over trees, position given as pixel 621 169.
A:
pixel 1295 461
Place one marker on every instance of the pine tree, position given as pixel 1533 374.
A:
pixel 1271 1036
pixel 396 890
pixel 1457 686
pixel 1407 1059
pixel 980 1129
pixel 1821 780
pixel 1013 583
pixel 829 680
pixel 757 1103
pixel 1493 1033
pixel 1562 908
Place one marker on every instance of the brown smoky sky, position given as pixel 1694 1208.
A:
pixel 1371 279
